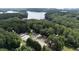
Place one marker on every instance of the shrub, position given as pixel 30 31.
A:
pixel 24 48
pixel 45 48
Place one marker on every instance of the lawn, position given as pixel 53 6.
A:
pixel 68 49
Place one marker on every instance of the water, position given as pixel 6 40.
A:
pixel 36 15
pixel 11 12
pixel 1 12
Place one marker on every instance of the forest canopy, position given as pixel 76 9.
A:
pixel 61 30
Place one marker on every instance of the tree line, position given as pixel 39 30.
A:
pixel 57 35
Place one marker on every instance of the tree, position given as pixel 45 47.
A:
pixel 33 44
pixel 56 42
pixel 72 42
pixel 9 40
pixel 11 15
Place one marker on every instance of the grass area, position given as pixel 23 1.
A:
pixel 68 49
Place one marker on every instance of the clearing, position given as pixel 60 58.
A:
pixel 34 36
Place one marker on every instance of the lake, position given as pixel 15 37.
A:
pixel 36 15
pixel 11 12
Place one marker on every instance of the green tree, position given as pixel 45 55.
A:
pixel 56 42
pixel 33 44
pixel 9 40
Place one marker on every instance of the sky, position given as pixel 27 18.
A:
pixel 39 3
